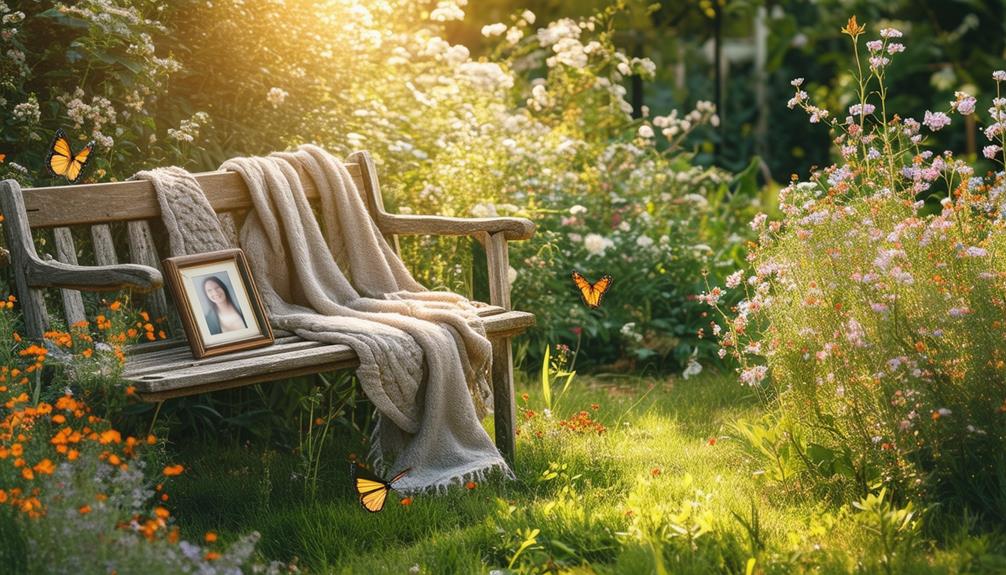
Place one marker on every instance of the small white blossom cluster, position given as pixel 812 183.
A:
pixel 188 130
pixel 276 96
pixel 448 10
pixel 99 113
pixel 28 111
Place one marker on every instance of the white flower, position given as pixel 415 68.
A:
pixel 528 16
pixel 595 244
pixel 577 210
pixel 645 131
pixel 276 97
pixel 491 30
pixel 644 241
pixel 513 35
pixel 447 11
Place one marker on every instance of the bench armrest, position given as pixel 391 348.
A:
pixel 512 228
pixel 56 274
pixel 31 271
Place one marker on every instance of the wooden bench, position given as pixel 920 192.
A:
pixel 166 369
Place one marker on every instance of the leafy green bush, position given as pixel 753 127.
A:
pixel 879 323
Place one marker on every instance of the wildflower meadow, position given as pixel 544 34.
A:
pixel 793 216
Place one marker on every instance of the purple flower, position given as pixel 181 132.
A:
pixel 991 151
pixel 895 47
pixel 875 45
pixel 936 121
pixel 999 75
pixel 964 103
pixel 862 109
pixel 877 62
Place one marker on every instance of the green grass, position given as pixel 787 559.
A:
pixel 710 509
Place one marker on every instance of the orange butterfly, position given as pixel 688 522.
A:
pixel 592 293
pixel 63 162
pixel 372 491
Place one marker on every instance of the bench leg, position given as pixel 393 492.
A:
pixel 503 399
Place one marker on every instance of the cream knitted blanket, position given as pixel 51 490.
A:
pixel 424 357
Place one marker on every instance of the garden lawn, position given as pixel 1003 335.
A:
pixel 666 488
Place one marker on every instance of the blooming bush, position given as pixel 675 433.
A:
pixel 74 491
pixel 878 319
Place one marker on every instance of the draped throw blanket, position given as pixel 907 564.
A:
pixel 424 356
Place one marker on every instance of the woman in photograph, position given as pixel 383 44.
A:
pixel 224 315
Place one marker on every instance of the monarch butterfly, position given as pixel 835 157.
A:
pixel 592 293
pixel 63 162
pixel 373 491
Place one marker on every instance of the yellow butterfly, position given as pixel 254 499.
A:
pixel 373 491
pixel 592 293
pixel 63 162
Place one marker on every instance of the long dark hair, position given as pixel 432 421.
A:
pixel 227 293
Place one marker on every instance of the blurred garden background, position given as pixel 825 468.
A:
pixel 800 366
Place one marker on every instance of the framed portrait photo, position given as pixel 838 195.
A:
pixel 218 302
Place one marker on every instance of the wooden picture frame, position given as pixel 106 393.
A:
pixel 218 302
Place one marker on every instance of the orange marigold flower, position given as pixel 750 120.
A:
pixel 27 474
pixel 45 467
pixel 72 454
pixel 471 485
pixel 145 316
pixel 131 390
pixel 212 556
pixel 162 512
pixel 84 510
pixel 712 441
pixel 87 353
pixel 655 471
pixel 173 470
pixel 151 440
pixel 210 537
pixel 406 501
pixel 164 497
pixel 59 418
pixel 3 496
pixel 110 436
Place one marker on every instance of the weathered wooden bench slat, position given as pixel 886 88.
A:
pixel 179 361
pixel 240 372
pixel 181 355
pixel 66 252
pixel 104 246
pixel 143 252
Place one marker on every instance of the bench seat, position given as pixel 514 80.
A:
pixel 170 370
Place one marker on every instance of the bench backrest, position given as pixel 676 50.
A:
pixel 93 209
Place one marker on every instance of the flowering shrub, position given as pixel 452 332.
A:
pixel 62 465
pixel 878 321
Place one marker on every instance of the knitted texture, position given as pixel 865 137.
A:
pixel 424 357
pixel 190 220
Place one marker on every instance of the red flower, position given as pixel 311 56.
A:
pixel 471 485
pixel 576 330
pixel 406 501
pixel 712 441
